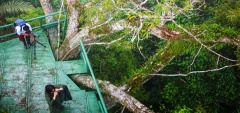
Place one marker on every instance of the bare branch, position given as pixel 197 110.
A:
pixel 139 49
pixel 194 72
pixel 168 75
pixel 217 62
pixel 106 87
pixel 109 43
pixel 196 55
pixel 59 25
pixel 195 37
pixel 102 23
pixel 140 6
pixel 74 48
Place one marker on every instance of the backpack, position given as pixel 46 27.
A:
pixel 19 22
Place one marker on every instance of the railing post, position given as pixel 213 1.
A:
pixel 65 25
pixel 93 76
pixel 40 22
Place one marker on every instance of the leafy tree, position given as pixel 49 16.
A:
pixel 114 62
pixel 191 44
pixel 11 8
pixel 34 12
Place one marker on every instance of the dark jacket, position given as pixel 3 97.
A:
pixel 63 95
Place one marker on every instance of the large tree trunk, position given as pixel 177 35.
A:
pixel 126 100
pixel 72 31
pixel 70 46
pixel 74 10
pixel 52 32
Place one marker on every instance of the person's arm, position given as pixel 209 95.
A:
pixel 55 95
pixel 48 98
pixel 32 34
pixel 25 34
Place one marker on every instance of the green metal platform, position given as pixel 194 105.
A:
pixel 23 79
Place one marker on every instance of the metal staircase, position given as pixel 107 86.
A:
pixel 23 78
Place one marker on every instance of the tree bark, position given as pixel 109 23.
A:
pixel 126 100
pixel 69 48
pixel 52 32
pixel 74 10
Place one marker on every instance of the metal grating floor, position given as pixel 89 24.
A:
pixel 22 79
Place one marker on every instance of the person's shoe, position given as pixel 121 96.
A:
pixel 62 107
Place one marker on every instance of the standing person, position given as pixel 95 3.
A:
pixel 24 32
pixel 55 95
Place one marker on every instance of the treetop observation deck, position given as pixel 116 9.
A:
pixel 24 77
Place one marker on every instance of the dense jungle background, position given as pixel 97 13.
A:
pixel 195 70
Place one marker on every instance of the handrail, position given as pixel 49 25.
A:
pixel 40 19
pixel 2 61
pixel 28 82
pixel 83 52
pixel 93 76
pixel 1 65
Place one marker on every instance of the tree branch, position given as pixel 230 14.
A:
pixel 106 87
pixel 196 56
pixel 194 72
pixel 190 34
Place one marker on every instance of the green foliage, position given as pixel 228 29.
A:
pixel 226 13
pixel 3 111
pixel 90 14
pixel 13 7
pixel 35 3
pixel 114 62
pixel 32 13
pixel 194 19
pixel 101 30
pixel 118 15
pixel 203 88
pixel 200 92
pixel 182 109
pixel 100 13
pixel 158 8
pixel 108 5
pixel 132 18
pixel 237 52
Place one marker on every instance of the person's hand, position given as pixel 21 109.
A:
pixel 26 34
pixel 59 89
pixel 55 95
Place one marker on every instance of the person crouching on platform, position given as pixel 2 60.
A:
pixel 55 95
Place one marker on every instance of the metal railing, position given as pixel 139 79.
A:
pixel 1 66
pixel 41 25
pixel 2 62
pixel 85 58
pixel 83 52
